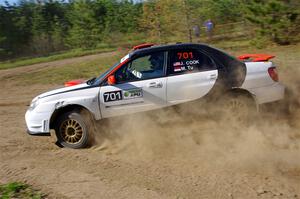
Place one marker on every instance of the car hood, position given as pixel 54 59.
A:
pixel 63 90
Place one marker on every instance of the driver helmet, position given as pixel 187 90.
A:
pixel 157 61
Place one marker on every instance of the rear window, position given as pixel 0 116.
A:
pixel 189 61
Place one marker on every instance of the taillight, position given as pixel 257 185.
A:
pixel 273 74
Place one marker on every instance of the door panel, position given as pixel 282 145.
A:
pixel 132 97
pixel 191 75
pixel 188 87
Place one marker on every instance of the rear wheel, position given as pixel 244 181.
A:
pixel 240 107
pixel 72 130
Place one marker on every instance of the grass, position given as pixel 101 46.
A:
pixel 59 75
pixel 127 42
pixel 19 190
pixel 231 44
pixel 69 54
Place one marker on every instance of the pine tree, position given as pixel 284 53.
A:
pixel 85 31
pixel 278 20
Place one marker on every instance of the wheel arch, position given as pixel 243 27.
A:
pixel 241 91
pixel 68 108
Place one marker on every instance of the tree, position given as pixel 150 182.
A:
pixel 277 20
pixel 222 11
pixel 15 28
pixel 166 20
pixel 85 28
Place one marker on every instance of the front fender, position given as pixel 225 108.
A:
pixel 89 103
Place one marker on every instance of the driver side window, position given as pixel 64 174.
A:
pixel 145 67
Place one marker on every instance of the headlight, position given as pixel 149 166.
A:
pixel 34 103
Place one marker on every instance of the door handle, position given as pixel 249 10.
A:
pixel 155 85
pixel 212 76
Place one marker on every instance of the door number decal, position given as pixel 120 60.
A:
pixel 112 96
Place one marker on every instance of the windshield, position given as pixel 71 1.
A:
pixel 100 78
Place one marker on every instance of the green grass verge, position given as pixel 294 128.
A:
pixel 59 75
pixel 19 190
pixel 69 54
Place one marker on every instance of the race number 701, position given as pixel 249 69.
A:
pixel 185 55
pixel 112 96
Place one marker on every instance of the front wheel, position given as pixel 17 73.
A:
pixel 72 130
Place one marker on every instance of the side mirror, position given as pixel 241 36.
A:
pixel 111 80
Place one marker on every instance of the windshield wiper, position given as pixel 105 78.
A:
pixel 91 81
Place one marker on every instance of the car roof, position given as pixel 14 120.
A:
pixel 156 48
pixel 224 61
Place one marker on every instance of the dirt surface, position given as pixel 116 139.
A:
pixel 157 155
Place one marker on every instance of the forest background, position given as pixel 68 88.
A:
pixel 47 27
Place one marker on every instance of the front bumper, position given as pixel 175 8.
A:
pixel 37 123
pixel 38 133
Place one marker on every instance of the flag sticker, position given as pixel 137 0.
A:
pixel 177 68
pixel 178 63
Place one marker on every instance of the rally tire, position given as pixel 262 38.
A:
pixel 239 106
pixel 72 130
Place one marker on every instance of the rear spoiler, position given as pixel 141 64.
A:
pixel 255 57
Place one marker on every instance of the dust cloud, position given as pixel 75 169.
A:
pixel 270 140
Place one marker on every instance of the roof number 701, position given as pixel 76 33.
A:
pixel 185 55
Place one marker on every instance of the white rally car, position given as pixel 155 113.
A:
pixel 151 77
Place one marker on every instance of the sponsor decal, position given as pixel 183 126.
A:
pixel 123 95
pixel 132 93
pixel 124 58
pixel 137 74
